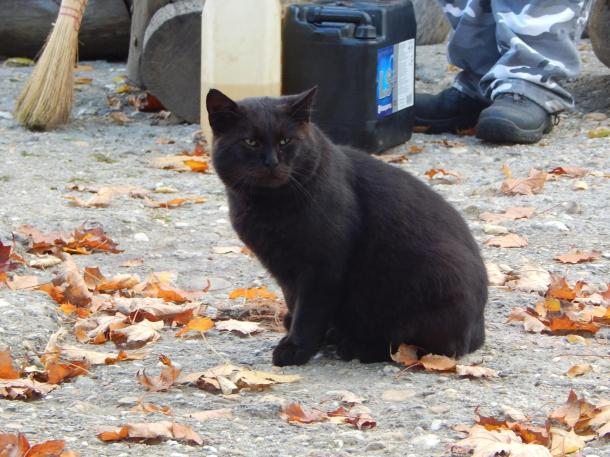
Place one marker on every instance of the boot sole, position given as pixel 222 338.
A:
pixel 502 130
pixel 451 125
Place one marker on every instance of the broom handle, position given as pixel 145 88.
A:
pixel 74 9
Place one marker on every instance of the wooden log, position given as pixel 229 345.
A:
pixel 25 24
pixel 432 26
pixel 171 58
pixel 141 13
pixel 599 30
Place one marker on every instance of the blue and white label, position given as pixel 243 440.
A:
pixel 395 77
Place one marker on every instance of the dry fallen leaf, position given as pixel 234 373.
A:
pixel 531 185
pixel 82 240
pixel 406 355
pixel 579 370
pixel 599 132
pixel 511 214
pixel 104 196
pixel 485 443
pixel 18 446
pixel 531 277
pixel 565 442
pixel 572 172
pixel 392 158
pixel 99 358
pixel 181 163
pixel 250 294
pixel 164 381
pixel 474 371
pixel 436 171
pixel 6 367
pixel 174 203
pixel 197 324
pixel 24 389
pixel 294 412
pixel 120 118
pixel 434 362
pixel 202 416
pixel 22 282
pixel 243 328
pixel 152 431
pixel 512 240
pixel 148 408
pixel 137 335
pixel 227 249
pixel 578 256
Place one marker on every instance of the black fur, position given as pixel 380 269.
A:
pixel 367 256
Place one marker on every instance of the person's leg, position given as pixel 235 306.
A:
pixel 472 47
pixel 537 42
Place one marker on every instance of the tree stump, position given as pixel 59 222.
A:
pixel 599 30
pixel 25 25
pixel 171 58
pixel 432 26
pixel 141 13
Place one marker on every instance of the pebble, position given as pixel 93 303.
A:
pixel 390 369
pixel 436 425
pixel 375 446
pixel 353 437
pixel 555 225
pixel 427 441
pixel 492 229
pixel 143 237
pixel 4 304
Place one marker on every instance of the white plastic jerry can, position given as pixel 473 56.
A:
pixel 241 50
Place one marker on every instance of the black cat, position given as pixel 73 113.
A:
pixel 367 255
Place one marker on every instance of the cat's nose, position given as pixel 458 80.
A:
pixel 270 160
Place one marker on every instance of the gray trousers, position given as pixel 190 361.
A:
pixel 516 46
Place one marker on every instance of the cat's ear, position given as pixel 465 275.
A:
pixel 222 111
pixel 300 105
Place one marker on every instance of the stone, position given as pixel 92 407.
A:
pixel 427 441
pixel 492 229
pixel 143 237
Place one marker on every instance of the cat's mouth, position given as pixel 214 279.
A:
pixel 277 177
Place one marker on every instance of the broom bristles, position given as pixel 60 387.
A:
pixel 47 97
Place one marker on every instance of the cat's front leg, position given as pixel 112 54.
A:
pixel 308 327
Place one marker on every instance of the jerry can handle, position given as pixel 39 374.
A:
pixel 365 28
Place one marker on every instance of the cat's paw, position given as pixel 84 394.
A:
pixel 288 353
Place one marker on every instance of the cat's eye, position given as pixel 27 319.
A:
pixel 250 142
pixel 285 141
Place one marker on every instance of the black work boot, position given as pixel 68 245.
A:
pixel 447 111
pixel 513 118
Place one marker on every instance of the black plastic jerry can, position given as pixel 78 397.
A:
pixel 361 55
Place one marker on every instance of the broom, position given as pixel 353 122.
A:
pixel 46 99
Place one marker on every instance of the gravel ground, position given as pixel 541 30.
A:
pixel 92 150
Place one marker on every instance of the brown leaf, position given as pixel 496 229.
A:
pixel 559 288
pixel 181 163
pixel 434 362
pixel 565 442
pixel 531 278
pixel 435 171
pixel 578 256
pixel 243 328
pixel 24 389
pixel 151 408
pixel 512 240
pixel 152 431
pixel 392 158
pixel 104 196
pixel 531 185
pixel 406 355
pixel 294 412
pixel 60 372
pixel 197 324
pixel 579 370
pixel 174 203
pixel 164 381
pixel 563 325
pixel 511 214
pixel 81 241
pixel 572 172
pixel 250 294
pixel 99 358
pixel 22 282
pixel 6 367
pixel 201 416
pixel 120 118
pixel 474 371
pixel 485 443
pixel 571 411
pixel 13 445
pixel 137 335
